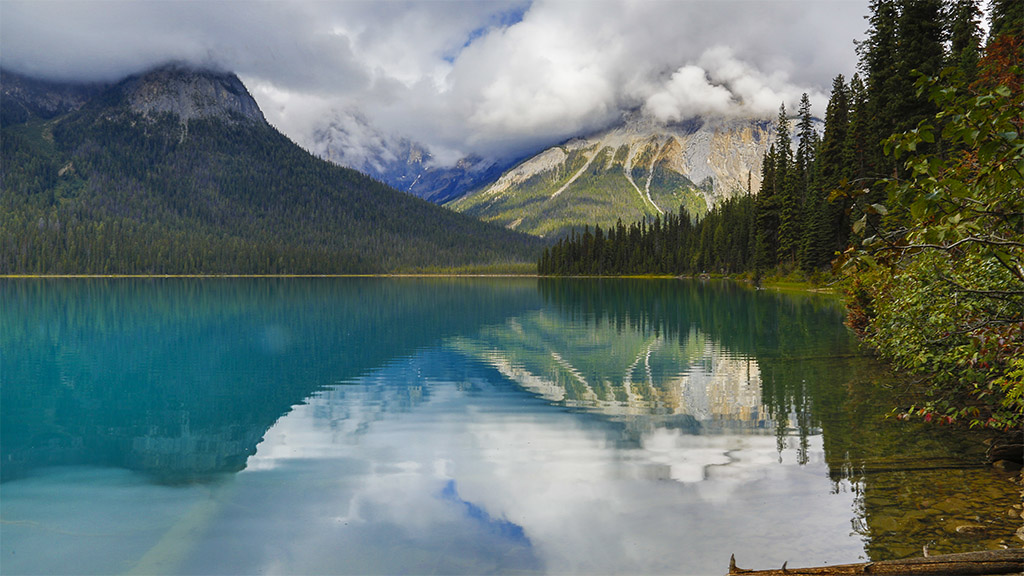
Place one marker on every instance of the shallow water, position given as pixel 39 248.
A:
pixel 232 426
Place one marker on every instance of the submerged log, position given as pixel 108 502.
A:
pixel 969 563
pixel 1009 447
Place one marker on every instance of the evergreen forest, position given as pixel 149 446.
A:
pixel 912 198
pixel 103 190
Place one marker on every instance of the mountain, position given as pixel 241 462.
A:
pixel 188 94
pixel 176 171
pixel 25 97
pixel 638 169
pixel 349 139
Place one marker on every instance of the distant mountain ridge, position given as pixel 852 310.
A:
pixel 176 171
pixel 349 139
pixel 638 169
pixel 23 97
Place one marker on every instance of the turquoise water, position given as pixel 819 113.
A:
pixel 455 426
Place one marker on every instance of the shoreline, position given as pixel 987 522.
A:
pixel 781 285
pixel 151 276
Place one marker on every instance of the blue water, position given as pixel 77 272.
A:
pixel 435 426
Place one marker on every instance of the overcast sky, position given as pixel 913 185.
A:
pixel 495 78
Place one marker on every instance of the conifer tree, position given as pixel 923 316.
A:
pixel 1007 19
pixel 963 22
pixel 920 51
pixel 831 162
pixel 818 239
pixel 878 62
pixel 806 146
pixel 767 219
pixel 837 120
pixel 788 178
pixel 857 146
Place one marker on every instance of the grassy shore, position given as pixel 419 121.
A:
pixel 787 283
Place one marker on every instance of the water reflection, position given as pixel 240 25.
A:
pixel 181 378
pixel 486 468
pixel 626 375
pixel 454 426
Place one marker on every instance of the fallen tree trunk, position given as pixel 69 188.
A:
pixel 969 563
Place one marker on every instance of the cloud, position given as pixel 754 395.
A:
pixel 494 78
pixel 688 93
pixel 725 86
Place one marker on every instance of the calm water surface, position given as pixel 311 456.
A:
pixel 368 426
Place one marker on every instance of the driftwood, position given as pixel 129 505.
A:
pixel 1009 447
pixel 970 563
pixel 1011 452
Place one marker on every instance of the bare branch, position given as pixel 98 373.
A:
pixel 994 293
pixel 970 239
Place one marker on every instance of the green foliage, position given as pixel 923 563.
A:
pixel 947 286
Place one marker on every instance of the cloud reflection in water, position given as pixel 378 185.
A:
pixel 374 467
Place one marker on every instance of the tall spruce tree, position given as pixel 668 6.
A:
pixel 885 89
pixel 816 242
pixel 807 145
pixel 767 210
pixel 831 163
pixel 788 180
pixel 963 23
pixel 837 120
pixel 920 51
pixel 857 147
pixel 1007 19
pixel 880 66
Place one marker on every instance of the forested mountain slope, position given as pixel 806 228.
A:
pixel 176 171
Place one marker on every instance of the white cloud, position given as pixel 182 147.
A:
pixel 688 93
pixel 720 84
pixel 497 78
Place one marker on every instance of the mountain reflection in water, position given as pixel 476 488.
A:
pixel 457 426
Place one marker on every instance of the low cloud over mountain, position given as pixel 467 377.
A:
pixel 496 79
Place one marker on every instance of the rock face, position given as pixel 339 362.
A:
pixel 179 90
pixel 190 94
pixel 638 169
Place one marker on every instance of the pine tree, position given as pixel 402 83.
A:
pixel 879 64
pixel 920 51
pixel 837 121
pixel 963 18
pixel 857 146
pixel 1007 19
pixel 806 146
pixel 789 179
pixel 831 162
pixel 818 240
pixel 767 219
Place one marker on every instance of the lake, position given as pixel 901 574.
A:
pixel 461 426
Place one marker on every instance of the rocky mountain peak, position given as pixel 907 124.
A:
pixel 636 169
pixel 191 93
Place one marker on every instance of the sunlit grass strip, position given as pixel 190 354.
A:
pixel 499 269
